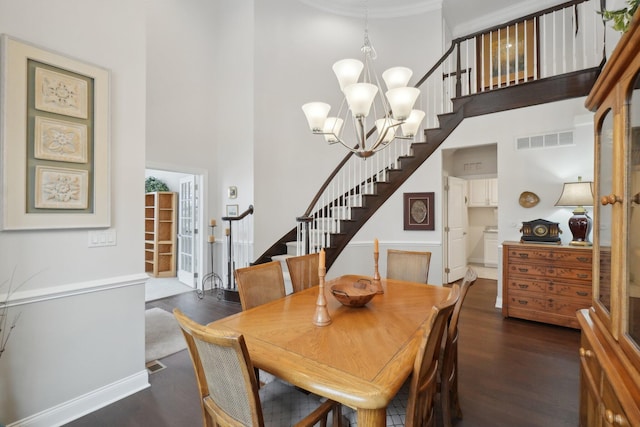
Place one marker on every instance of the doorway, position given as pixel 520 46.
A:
pixel 190 221
pixel 468 231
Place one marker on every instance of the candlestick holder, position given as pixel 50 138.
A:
pixel 321 316
pixel 212 277
pixel 376 283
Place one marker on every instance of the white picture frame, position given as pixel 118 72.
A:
pixel 17 140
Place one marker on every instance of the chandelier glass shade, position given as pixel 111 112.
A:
pixel 397 118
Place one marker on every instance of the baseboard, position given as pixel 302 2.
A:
pixel 73 409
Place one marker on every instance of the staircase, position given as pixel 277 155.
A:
pixel 324 228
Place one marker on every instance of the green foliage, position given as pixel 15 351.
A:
pixel 621 18
pixel 152 184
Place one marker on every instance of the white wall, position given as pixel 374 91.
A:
pixel 81 330
pixel 295 47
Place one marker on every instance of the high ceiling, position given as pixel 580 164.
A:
pixel 473 14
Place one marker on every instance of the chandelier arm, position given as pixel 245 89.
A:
pixel 379 144
pixel 339 140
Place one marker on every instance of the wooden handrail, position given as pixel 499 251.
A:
pixel 239 217
pixel 520 19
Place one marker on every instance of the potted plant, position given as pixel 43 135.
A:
pixel 153 184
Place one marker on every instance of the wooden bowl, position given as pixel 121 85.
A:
pixel 355 294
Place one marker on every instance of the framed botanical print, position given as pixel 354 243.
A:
pixel 419 211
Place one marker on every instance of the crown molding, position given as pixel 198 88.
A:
pixel 355 9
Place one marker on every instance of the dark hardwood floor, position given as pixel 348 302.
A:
pixel 513 373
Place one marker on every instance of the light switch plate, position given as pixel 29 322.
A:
pixel 101 238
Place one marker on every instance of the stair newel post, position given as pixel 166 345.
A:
pixel 321 316
pixel 231 283
pixel 458 72
pixel 227 232
pixel 306 228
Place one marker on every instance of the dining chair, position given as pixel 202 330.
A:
pixel 229 393
pixel 414 404
pixel 259 284
pixel 448 378
pixel 411 266
pixel 303 271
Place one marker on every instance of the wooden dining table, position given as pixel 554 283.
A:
pixel 361 359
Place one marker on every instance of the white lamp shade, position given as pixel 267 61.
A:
pixel 576 194
pixel 360 96
pixel 347 71
pixel 316 113
pixel 412 124
pixel 384 125
pixel 401 101
pixel 397 77
pixel 332 128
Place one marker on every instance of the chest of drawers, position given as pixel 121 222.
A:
pixel 546 283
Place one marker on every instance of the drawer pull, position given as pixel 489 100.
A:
pixel 585 353
pixel 583 259
pixel 615 419
pixel 523 270
pixel 523 286
pixel 583 276
pixel 523 302
pixel 582 293
pixel 521 255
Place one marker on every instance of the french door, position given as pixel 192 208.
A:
pixel 188 215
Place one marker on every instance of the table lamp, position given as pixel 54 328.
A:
pixel 578 194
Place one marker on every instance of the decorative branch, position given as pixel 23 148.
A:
pixel 7 326
pixel 621 17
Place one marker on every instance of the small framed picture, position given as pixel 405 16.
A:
pixel 232 210
pixel 232 192
pixel 419 211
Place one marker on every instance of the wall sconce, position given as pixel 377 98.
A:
pixel 578 194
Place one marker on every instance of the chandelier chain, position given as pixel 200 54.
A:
pixel 367 47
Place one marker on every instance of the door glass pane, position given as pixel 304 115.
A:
pixel 605 188
pixel 633 252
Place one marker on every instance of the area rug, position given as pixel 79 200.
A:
pixel 162 336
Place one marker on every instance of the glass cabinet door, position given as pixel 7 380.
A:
pixel 633 215
pixel 604 217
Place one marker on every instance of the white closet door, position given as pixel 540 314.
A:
pixel 456 230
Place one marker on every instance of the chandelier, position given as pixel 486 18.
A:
pixel 397 117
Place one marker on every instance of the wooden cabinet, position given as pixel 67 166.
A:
pixel 160 233
pixel 483 192
pixel 610 343
pixel 545 283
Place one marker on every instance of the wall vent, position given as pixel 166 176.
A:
pixel 154 366
pixel 558 139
